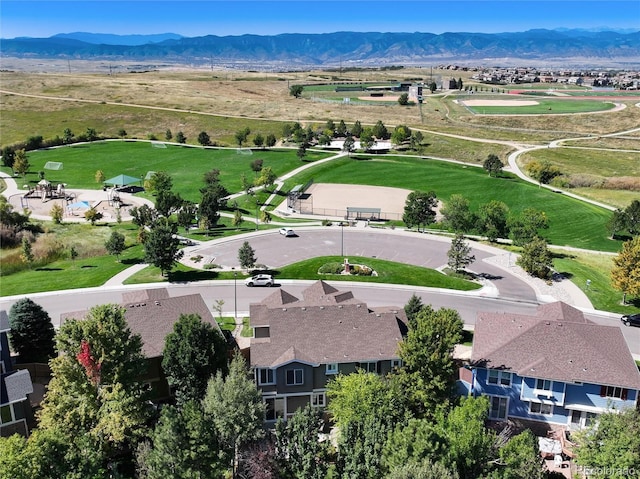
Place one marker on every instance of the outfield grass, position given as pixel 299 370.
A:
pixel 544 106
pixel 571 222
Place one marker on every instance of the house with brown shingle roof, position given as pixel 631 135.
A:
pixel 299 344
pixel 555 367
pixel 151 314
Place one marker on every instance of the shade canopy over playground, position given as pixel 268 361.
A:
pixel 122 180
pixel 79 205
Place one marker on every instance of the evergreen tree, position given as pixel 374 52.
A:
pixel 412 308
pixel 246 256
pixel 459 254
pixel 32 334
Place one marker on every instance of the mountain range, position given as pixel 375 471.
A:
pixel 568 47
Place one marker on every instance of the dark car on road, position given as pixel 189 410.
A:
pixel 631 319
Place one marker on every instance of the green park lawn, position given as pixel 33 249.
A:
pixel 185 164
pixel 571 222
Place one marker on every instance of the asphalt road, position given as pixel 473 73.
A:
pixel 429 251
pixel 513 294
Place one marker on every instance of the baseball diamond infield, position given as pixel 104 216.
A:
pixel 329 199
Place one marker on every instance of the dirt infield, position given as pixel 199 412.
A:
pixel 325 197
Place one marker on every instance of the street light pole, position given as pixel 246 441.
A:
pixel 235 294
pixel 341 239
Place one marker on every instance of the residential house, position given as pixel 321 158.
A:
pixel 554 367
pixel 151 314
pixel 299 344
pixel 15 387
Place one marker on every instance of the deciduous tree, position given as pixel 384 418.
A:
pixel 419 209
pixel 403 99
pixel 427 355
pixel 301 454
pixel 21 163
pixel 536 259
pixel 492 220
pixel 271 140
pixel 161 246
pixel 95 401
pixel 611 447
pixel 193 352
pixel 457 214
pixel 115 245
pixel 296 90
pixel 625 274
pixel 92 215
pixel 204 139
pixel 235 406
pixel 526 225
pixel 183 445
pixel 493 165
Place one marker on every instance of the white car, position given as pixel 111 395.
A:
pixel 287 232
pixel 259 280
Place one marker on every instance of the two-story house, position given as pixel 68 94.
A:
pixel 299 344
pixel 554 367
pixel 15 386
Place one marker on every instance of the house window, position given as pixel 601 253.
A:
pixel 503 378
pixel 274 408
pixel 543 387
pixel 266 376
pixel 498 409
pixel 396 363
pixel 613 392
pixel 332 368
pixel 318 400
pixel 6 414
pixel 295 377
pixel 370 367
pixel 541 408
pixel 2 370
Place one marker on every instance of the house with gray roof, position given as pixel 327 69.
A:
pixel 15 387
pixel 299 344
pixel 555 367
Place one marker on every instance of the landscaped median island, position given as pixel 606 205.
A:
pixel 387 272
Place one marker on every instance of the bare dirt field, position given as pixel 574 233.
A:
pixel 329 199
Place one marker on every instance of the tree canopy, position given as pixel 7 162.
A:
pixel 32 334
pixel 420 209
pixel 625 274
pixel 193 352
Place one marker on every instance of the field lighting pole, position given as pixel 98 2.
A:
pixel 257 212
pixel 235 294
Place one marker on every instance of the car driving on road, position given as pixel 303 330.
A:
pixel 631 319
pixel 259 280
pixel 287 232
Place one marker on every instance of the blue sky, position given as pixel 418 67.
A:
pixel 265 17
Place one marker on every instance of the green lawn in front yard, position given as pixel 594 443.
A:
pixel 226 323
pixel 596 268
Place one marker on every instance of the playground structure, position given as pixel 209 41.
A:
pixel 45 190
